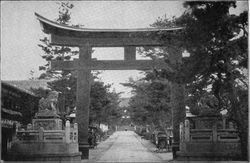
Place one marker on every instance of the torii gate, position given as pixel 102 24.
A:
pixel 85 39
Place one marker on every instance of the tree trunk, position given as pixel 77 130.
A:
pixel 241 119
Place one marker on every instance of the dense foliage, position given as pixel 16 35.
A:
pixel 217 66
pixel 150 104
pixel 216 71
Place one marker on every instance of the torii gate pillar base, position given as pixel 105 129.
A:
pixel 175 148
pixel 85 151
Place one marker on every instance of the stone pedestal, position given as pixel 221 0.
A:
pixel 208 140
pixel 45 151
pixel 47 140
pixel 209 151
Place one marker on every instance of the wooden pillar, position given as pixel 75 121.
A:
pixel 83 99
pixel 177 98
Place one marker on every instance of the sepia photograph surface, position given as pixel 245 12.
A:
pixel 124 81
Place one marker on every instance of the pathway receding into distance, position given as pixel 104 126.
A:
pixel 126 146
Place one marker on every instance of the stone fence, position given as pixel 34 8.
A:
pixel 207 135
pixel 39 144
pixel 68 135
pixel 208 143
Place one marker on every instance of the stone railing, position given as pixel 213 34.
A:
pixel 67 135
pixel 208 142
pixel 207 135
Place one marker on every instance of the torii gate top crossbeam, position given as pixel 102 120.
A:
pixel 74 36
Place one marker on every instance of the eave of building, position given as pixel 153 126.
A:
pixel 51 27
pixel 24 86
pixel 11 112
pixel 18 89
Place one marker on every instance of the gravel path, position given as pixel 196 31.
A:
pixel 126 146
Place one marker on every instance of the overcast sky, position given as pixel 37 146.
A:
pixel 20 31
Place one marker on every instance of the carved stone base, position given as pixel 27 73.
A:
pixel 45 151
pixel 47 157
pixel 47 124
pixel 209 151
pixel 46 113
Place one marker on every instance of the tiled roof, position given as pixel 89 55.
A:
pixel 26 85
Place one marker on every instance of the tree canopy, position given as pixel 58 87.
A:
pixel 216 71
pixel 150 104
pixel 215 74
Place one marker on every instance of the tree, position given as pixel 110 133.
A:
pixel 217 44
pixel 63 81
pixel 104 106
pixel 220 39
pixel 57 52
pixel 150 104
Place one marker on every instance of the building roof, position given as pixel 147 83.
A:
pixel 26 85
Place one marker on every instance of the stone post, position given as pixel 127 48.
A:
pixel 187 130
pixel 231 125
pixel 214 132
pixel 29 126
pixel 75 126
pixel 40 133
pixel 67 131
pixel 224 122
pixel 181 132
pixel 76 132
pixel 181 136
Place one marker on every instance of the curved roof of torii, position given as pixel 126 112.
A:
pixel 51 26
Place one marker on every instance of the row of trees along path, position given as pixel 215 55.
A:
pixel 215 73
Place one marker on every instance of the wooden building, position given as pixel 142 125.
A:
pixel 18 107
